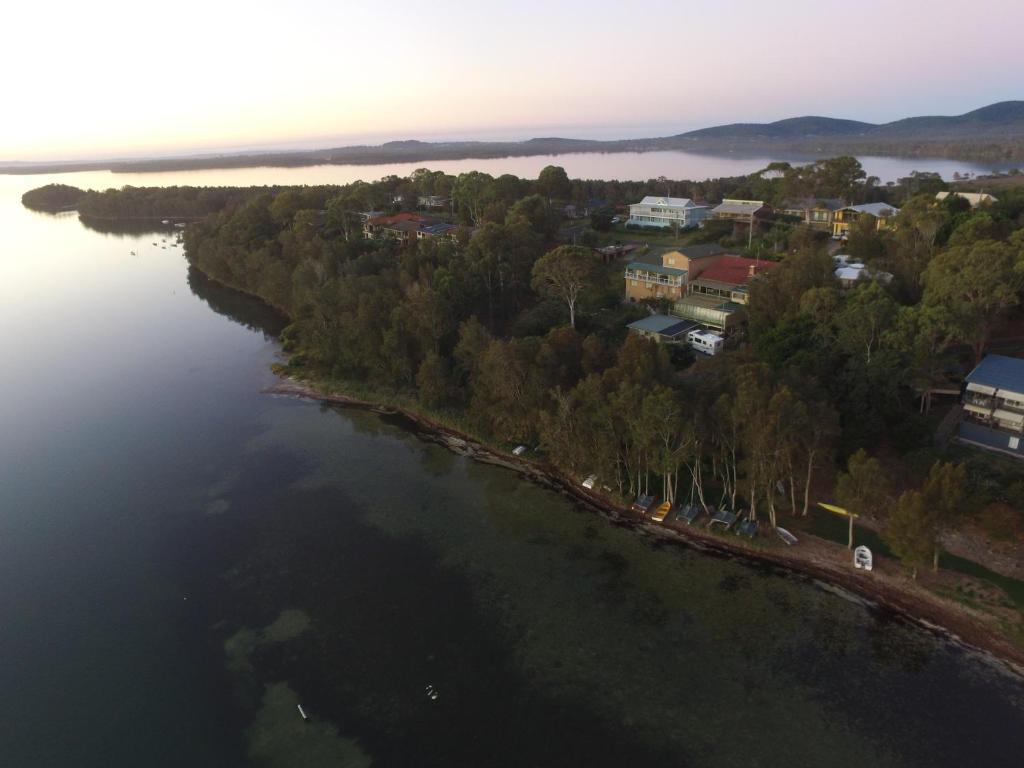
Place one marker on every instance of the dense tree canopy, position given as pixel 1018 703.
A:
pixel 507 328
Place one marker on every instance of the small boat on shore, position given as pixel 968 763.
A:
pixel 862 558
pixel 787 538
pixel 643 504
pixel 689 513
pixel 662 512
pixel 747 528
pixel 724 518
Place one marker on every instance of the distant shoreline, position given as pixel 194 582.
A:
pixel 997 151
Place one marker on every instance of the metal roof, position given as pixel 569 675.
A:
pixel 735 270
pixel 875 209
pixel 663 324
pixel 734 206
pixel 437 229
pixel 1000 372
pixel 852 272
pixel 668 202
pixel 974 198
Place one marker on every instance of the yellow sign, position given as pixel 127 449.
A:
pixel 837 510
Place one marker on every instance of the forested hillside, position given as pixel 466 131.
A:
pixel 992 133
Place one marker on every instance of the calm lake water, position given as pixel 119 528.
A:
pixel 183 559
pixel 625 166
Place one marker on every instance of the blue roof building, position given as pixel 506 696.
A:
pixel 993 405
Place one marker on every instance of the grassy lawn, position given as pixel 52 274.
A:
pixel 620 234
pixel 835 528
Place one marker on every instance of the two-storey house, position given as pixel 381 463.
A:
pixel 667 213
pixel 844 218
pixel 993 405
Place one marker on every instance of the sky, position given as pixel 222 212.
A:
pixel 113 78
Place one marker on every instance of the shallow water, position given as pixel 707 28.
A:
pixel 184 559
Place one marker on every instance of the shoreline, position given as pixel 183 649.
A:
pixel 814 559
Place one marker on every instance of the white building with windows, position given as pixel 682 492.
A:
pixel 667 212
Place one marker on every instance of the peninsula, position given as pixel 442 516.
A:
pixel 504 315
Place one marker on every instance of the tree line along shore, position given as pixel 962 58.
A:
pixel 818 396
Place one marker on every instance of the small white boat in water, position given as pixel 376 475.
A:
pixel 862 558
pixel 302 712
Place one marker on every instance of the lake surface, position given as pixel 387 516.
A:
pixel 184 559
pixel 624 166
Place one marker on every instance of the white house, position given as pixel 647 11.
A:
pixel 665 212
pixel 974 198
pixel 850 273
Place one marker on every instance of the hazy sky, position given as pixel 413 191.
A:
pixel 110 77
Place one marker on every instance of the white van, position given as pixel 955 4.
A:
pixel 705 341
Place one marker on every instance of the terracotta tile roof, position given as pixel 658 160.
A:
pixel 735 270
pixel 396 218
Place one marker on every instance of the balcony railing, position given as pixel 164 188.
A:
pixel 647 277
pixel 981 401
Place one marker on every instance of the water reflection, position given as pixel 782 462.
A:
pixel 154 507
pixel 237 306
pixel 128 229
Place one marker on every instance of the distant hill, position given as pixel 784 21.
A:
pixel 1004 119
pixel 791 128
pixel 991 134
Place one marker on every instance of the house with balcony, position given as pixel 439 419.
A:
pixel 693 258
pixel 717 297
pixel 993 405
pixel 406 227
pixel 740 210
pixel 844 218
pixel 812 212
pixel 666 213
pixel 654 280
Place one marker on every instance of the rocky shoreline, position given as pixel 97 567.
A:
pixel 826 563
